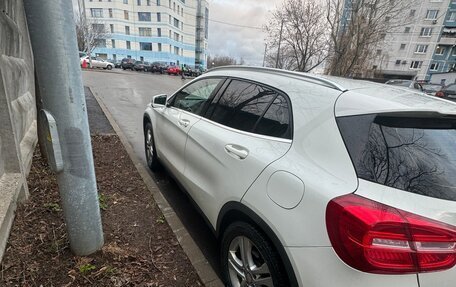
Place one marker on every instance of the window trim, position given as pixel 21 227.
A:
pixel 221 91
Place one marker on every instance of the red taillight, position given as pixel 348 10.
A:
pixel 440 94
pixel 376 238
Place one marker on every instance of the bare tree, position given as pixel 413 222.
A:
pixel 357 28
pixel 90 31
pixel 218 61
pixel 298 28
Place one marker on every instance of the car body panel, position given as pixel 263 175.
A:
pixel 213 176
pixel 171 136
pixel 320 267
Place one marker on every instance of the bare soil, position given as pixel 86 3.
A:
pixel 140 248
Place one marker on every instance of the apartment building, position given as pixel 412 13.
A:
pixel 170 31
pixel 424 44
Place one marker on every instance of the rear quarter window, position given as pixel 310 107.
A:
pixel 408 153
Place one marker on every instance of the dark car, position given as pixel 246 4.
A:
pixel 447 92
pixel 158 67
pixel 127 63
pixel 141 66
pixel 117 64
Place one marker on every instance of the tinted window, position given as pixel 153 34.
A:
pixel 242 104
pixel 412 154
pixel 193 97
pixel 451 89
pixel 275 121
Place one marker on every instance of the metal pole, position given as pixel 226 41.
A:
pixel 280 41
pixel 87 31
pixel 59 79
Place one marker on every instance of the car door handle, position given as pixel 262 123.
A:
pixel 237 151
pixel 184 123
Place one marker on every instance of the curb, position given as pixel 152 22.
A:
pixel 205 271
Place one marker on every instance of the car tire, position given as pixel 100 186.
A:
pixel 261 264
pixel 109 67
pixel 149 146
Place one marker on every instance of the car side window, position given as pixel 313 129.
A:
pixel 276 121
pixel 194 97
pixel 242 105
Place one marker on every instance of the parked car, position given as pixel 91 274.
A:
pixel 173 70
pixel 354 188
pixel 98 63
pixel 447 92
pixel 118 64
pixel 405 83
pixel 431 89
pixel 127 63
pixel 158 67
pixel 140 66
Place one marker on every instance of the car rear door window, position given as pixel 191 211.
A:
pixel 408 153
pixel 194 97
pixel 276 121
pixel 242 105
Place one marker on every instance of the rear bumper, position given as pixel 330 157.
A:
pixel 321 267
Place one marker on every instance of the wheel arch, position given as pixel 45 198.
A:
pixel 236 211
pixel 146 119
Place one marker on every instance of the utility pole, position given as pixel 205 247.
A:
pixel 264 56
pixel 280 41
pixel 64 119
pixel 87 32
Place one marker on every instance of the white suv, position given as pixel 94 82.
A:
pixel 314 181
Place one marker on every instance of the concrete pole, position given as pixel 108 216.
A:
pixel 53 36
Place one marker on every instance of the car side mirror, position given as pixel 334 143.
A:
pixel 159 101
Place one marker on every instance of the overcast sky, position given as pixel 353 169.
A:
pixel 237 42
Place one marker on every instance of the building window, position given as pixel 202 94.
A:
pixel 111 26
pixel 145 32
pixel 182 39
pixel 101 43
pixel 125 1
pixel 421 49
pixel 159 32
pixel 169 4
pixel 176 50
pixel 432 14
pixel 434 66
pixel 128 45
pixel 114 56
pixel 159 17
pixel 113 43
pixel 174 6
pixel 416 64
pixel 182 11
pixel 407 30
pixel 110 12
pixel 426 32
pixel 139 2
pixel 170 34
pixel 452 17
pixel 412 12
pixel 98 28
pixel 159 47
pixel 145 46
pixel 96 12
pixel 126 15
pixel 158 3
pixel 141 59
pixel 398 62
pixel 176 37
pixel 144 16
pixel 402 47
pixel 379 52
pixel 127 30
pixel 176 23
pixel 440 50
pixel 148 2
pixel 169 19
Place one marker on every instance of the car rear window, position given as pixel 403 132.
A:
pixel 415 154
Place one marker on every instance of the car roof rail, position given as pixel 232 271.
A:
pixel 304 76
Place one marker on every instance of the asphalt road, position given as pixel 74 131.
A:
pixel 126 95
